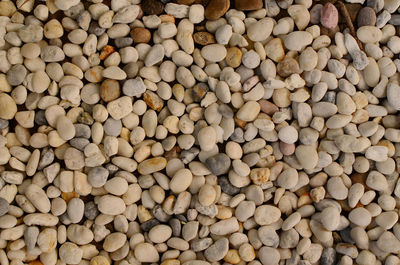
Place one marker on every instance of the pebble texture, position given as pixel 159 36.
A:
pixel 199 132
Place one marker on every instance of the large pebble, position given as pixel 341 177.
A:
pixel 214 52
pixel 38 198
pixel 145 252
pixel 266 214
pixel 219 164
pixel 297 40
pixel 329 16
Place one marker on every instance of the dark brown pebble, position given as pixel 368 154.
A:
pixel 152 7
pixel 216 9
pixel 248 5
pixel 366 17
pixel 203 38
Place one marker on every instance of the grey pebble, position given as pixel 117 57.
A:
pixel 3 124
pixel 345 235
pixel 91 211
pixel 16 74
pixel 225 111
pixel 133 87
pixel 251 159
pixel 40 118
pixel 200 244
pixel 218 250
pixel 219 164
pixel 237 135
pixel 328 256
pixel 82 130
pixel 175 225
pixel 97 176
pixel 294 259
pixel 146 226
pixel 112 169
pixel 377 5
pixel 227 187
pixel 46 158
pixel 79 143
pixel 189 230
pixel 52 53
pixel 159 214
pixel 330 97
pixel 4 206
pixel 395 20
pixel 112 127
pixel 289 238
pixel 210 211
pixel 187 156
pixel 74 11
pixel 95 29
pixel 123 42
pixel 30 237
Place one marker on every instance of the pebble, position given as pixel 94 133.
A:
pixel 134 87
pixel 297 40
pixel 266 214
pixel 216 9
pixel 366 17
pixel 248 5
pixel 360 216
pixel 249 111
pixel 214 52
pixel 218 164
pixel 4 206
pixel 9 109
pixel 329 16
pixel 218 250
pixel 260 30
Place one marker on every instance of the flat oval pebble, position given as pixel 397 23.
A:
pixel 213 52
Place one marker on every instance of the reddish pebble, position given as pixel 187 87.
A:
pixel 268 107
pixel 329 16
pixel 287 149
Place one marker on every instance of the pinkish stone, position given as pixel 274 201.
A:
pixel 287 149
pixel 268 107
pixel 250 83
pixel 329 16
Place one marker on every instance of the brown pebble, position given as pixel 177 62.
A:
pixel 109 90
pixel 216 9
pixel 248 5
pixel 366 17
pixel 140 35
pixel 167 18
pixel 152 7
pixel 198 92
pixel 233 57
pixel 185 2
pixel 106 51
pixel 287 67
pixel 203 38
pixel 153 100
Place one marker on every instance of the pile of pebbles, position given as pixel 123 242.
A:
pixel 199 132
